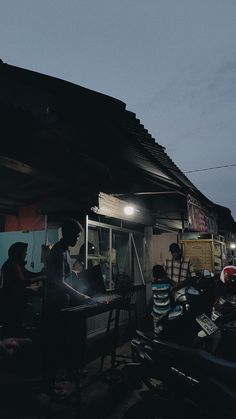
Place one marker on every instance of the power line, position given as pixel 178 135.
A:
pixel 228 202
pixel 211 168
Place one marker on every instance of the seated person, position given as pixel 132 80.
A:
pixel 10 346
pixel 15 279
pixel 161 288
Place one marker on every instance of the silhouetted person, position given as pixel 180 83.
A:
pixel 62 340
pixel 15 280
pixel 58 291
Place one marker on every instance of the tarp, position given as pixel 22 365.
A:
pixel 28 219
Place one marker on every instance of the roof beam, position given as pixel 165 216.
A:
pixel 24 168
pixel 154 193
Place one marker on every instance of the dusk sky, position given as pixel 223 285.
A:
pixel 173 62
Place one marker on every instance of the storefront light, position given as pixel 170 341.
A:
pixel 129 210
pixel 232 246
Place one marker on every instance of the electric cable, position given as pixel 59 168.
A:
pixel 210 168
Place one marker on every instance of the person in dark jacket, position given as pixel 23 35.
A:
pixel 15 279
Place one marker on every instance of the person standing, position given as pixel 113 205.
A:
pixel 62 340
pixel 58 292
pixel 179 269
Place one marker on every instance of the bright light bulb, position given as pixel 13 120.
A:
pixel 232 245
pixel 128 210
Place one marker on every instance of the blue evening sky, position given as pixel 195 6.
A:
pixel 173 62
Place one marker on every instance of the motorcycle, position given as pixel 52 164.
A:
pixel 179 324
pixel 181 381
pixel 181 377
pixel 224 312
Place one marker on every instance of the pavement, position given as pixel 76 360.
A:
pixel 104 395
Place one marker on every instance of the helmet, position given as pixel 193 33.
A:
pixel 228 275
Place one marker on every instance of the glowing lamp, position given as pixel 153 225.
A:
pixel 129 210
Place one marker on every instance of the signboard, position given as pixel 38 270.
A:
pixel 200 253
pixel 198 218
pixel 111 206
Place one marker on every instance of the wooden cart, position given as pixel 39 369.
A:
pixel 206 253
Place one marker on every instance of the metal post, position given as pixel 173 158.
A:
pixel 110 257
pixel 86 241
pixel 46 229
pixel 136 253
pixel 130 256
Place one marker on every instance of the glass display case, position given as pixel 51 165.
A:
pixel 117 250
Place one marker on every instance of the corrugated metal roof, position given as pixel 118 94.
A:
pixel 135 155
pixel 75 140
pixel 156 152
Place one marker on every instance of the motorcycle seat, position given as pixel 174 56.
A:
pixel 211 365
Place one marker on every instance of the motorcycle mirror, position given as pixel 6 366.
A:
pixel 180 295
pixel 181 299
pixel 207 274
pixel 193 291
pixel 202 334
pixel 175 313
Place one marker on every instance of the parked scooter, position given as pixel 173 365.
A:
pixel 182 382
pixel 225 304
pixel 182 379
pixel 179 324
pixel 224 312
pixel 194 309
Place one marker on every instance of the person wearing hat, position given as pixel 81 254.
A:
pixel 179 269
